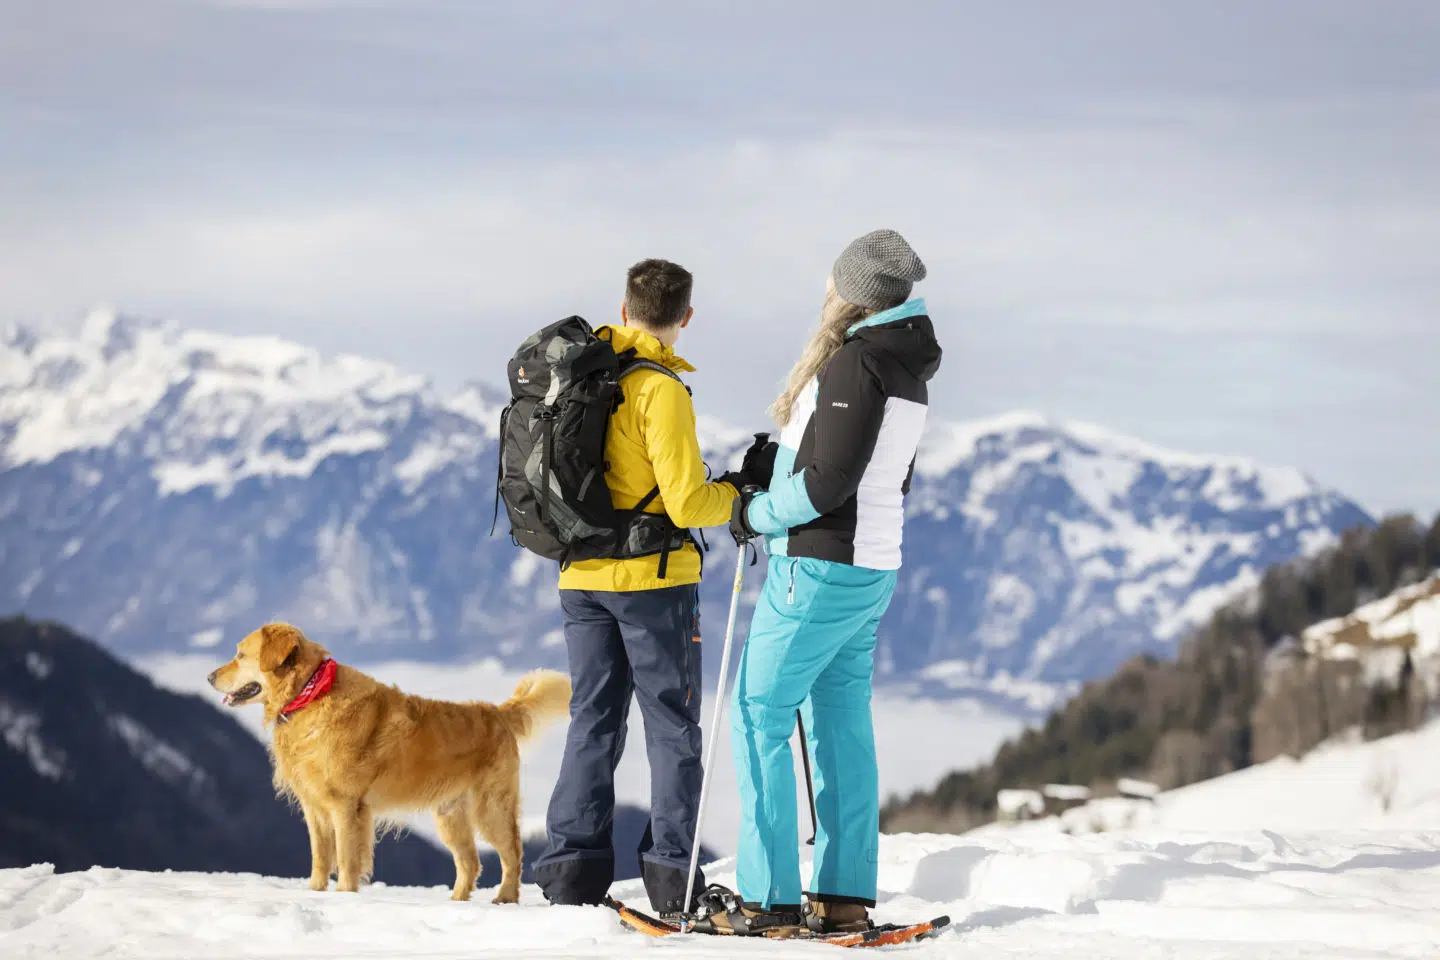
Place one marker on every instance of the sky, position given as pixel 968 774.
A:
pixel 1214 226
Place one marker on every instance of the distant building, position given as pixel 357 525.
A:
pixel 1017 805
pixel 1060 797
pixel 1137 789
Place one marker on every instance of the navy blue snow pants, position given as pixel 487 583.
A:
pixel 644 643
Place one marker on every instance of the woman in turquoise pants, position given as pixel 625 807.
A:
pixel 851 419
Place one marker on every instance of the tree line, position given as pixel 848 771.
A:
pixel 1239 690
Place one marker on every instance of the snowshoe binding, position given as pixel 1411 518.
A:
pixel 721 912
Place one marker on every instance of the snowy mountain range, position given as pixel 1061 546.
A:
pixel 166 489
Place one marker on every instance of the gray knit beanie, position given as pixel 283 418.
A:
pixel 877 271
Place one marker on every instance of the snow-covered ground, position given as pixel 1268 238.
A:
pixel 1385 785
pixel 1309 859
pixel 1409 617
pixel 918 740
pixel 1198 897
pixel 1390 784
pixel 1381 635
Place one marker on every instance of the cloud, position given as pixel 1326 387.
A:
pixel 284 5
pixel 1176 224
pixel 1170 226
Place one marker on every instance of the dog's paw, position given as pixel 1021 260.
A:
pixel 507 898
pixel 319 883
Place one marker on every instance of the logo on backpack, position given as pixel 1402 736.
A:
pixel 564 384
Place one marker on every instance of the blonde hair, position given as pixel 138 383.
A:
pixel 837 316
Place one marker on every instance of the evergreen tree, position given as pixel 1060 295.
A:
pixel 1431 550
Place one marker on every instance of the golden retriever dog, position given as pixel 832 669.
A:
pixel 362 750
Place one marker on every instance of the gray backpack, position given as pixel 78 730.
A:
pixel 564 385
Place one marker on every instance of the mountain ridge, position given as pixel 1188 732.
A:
pixel 164 487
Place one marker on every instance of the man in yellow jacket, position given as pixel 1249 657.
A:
pixel 631 630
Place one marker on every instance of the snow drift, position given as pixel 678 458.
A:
pixel 1257 896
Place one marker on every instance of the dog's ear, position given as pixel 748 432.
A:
pixel 279 647
pixel 288 663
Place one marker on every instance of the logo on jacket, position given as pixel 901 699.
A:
pixel 837 403
pixel 520 375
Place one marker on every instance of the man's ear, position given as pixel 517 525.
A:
pixel 689 312
pixel 624 315
pixel 279 646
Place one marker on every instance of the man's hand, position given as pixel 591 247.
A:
pixel 759 463
pixel 740 527
pixel 757 467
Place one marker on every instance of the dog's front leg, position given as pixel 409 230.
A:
pixel 354 841
pixel 322 844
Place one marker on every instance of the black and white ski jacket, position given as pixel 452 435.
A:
pixel 847 455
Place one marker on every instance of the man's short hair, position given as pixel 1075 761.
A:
pixel 657 294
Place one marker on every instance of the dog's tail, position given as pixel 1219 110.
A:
pixel 540 698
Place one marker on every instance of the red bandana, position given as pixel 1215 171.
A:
pixel 316 687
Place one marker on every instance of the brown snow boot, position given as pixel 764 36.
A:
pixel 722 913
pixel 823 916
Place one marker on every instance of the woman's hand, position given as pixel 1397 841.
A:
pixel 740 527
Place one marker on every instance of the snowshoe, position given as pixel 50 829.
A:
pixel 876 936
pixel 642 922
pixel 888 935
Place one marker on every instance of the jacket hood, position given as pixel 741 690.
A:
pixel 906 333
pixel 645 346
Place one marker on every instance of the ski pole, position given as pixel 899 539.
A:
pixel 809 783
pixel 714 734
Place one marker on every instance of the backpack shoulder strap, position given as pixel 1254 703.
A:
pixel 628 366
pixel 632 364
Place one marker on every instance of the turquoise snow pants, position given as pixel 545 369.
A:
pixel 811 647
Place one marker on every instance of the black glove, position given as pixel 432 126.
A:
pixel 740 527
pixel 757 467
pixel 759 463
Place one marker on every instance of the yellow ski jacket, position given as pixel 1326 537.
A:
pixel 651 442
